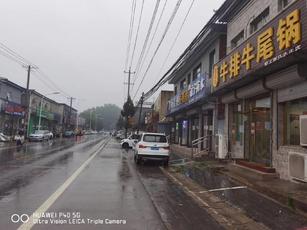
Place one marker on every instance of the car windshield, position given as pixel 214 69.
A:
pixel 154 138
pixel 39 132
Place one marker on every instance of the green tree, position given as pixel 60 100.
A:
pixel 128 111
pixel 101 117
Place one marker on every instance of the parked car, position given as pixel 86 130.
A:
pixel 152 146
pixel 69 133
pixel 130 141
pixel 40 135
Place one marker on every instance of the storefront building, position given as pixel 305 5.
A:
pixel 262 83
pixel 44 113
pixel 68 117
pixel 12 111
pixel 192 108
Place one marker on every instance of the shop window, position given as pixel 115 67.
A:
pixel 282 4
pixel 292 112
pixel 260 21
pixel 196 72
pixel 211 62
pixel 175 90
pixel 237 40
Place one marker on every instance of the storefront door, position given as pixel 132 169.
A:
pixel 194 132
pixel 208 130
pixel 258 135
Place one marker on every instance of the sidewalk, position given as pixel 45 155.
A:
pixel 272 201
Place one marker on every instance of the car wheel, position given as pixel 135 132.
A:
pixel 125 145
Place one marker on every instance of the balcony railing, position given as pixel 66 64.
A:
pixel 198 89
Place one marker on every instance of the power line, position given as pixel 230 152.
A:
pixel 159 45
pixel 193 45
pixel 150 43
pixel 15 55
pixel 52 83
pixel 130 32
pixel 137 33
pixel 177 36
pixel 4 54
pixel 147 35
pixel 17 58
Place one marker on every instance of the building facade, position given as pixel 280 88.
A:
pixel 68 117
pixel 12 113
pixel 257 92
pixel 192 108
pixel 262 82
pixel 44 113
pixel 163 123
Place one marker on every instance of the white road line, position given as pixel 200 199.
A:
pixel 223 189
pixel 46 205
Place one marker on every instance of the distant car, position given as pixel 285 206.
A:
pixel 69 133
pixel 130 141
pixel 40 135
pixel 152 146
pixel 4 138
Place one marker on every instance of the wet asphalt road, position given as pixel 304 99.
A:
pixel 93 187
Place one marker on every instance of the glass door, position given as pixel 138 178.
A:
pixel 258 127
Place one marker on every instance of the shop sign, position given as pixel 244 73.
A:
pixel 14 109
pixel 194 92
pixel 281 38
pixel 45 114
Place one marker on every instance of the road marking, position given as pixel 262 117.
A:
pixel 46 205
pixel 223 189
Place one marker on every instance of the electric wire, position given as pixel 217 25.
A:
pixel 4 54
pixel 147 35
pixel 130 32
pixel 17 58
pixel 137 33
pixel 150 43
pixel 16 55
pixel 159 44
pixel 177 36
pixel 193 45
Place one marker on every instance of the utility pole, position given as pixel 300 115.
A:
pixel 28 112
pixel 129 81
pixel 70 110
pixel 140 114
pixel 128 95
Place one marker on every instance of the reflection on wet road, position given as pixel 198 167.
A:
pixel 109 187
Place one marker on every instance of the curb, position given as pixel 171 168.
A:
pixel 226 215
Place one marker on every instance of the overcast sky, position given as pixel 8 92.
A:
pixel 81 44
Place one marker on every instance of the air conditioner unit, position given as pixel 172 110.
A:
pixel 298 166
pixel 303 130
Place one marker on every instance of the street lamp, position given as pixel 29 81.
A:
pixel 41 107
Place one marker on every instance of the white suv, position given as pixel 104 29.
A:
pixel 130 141
pixel 152 146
